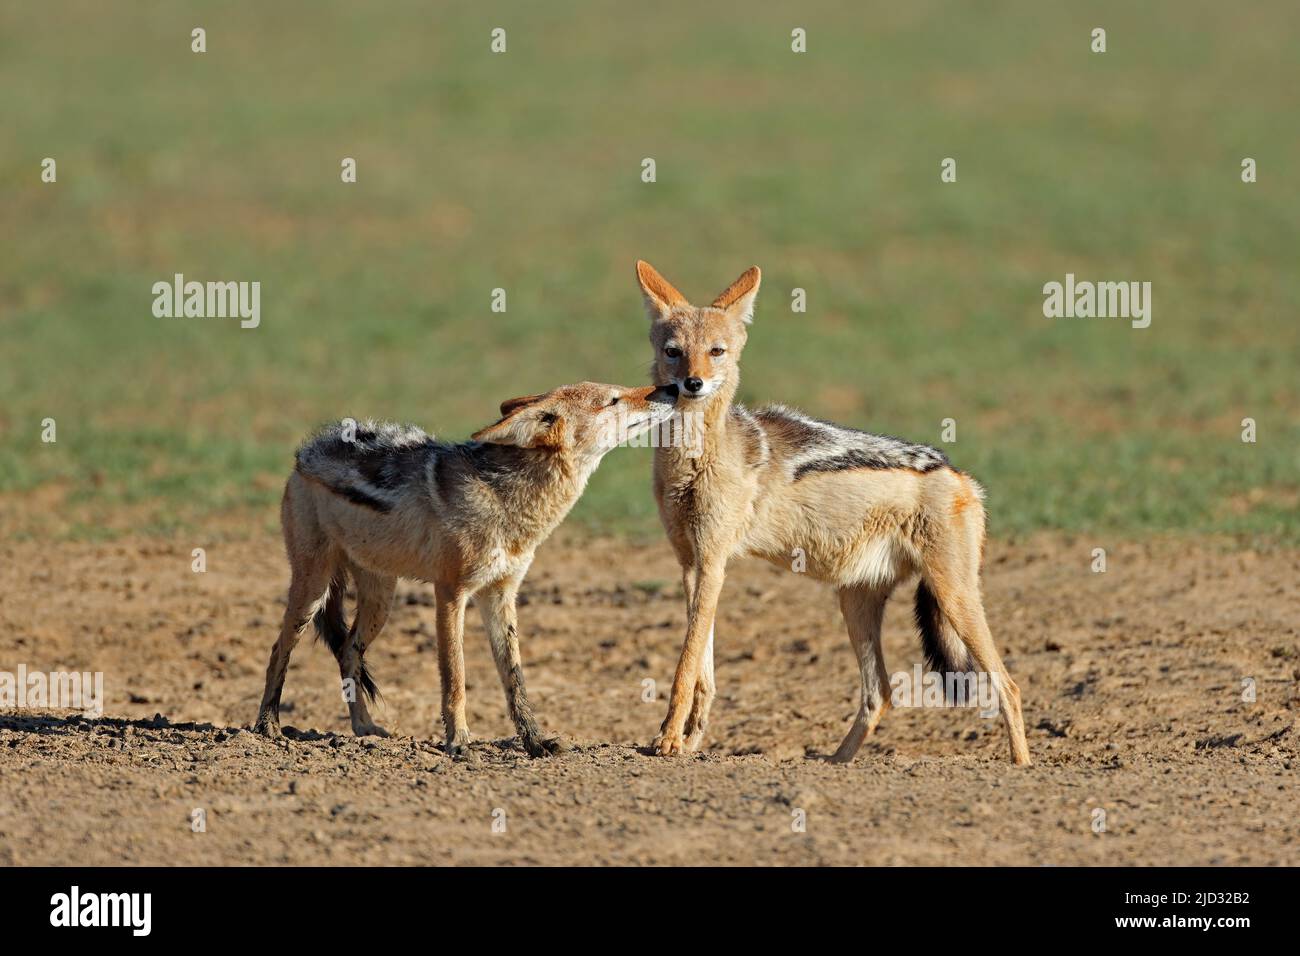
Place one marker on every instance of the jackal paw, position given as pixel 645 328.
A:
pixel 369 730
pixel 458 743
pixel 667 744
pixel 268 727
pixel 545 747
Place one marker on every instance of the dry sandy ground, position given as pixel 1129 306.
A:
pixel 1132 684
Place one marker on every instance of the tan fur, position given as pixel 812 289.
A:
pixel 862 530
pixel 468 522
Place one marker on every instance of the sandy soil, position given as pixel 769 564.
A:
pixel 1132 684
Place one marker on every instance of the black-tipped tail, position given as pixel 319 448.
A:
pixel 943 649
pixel 332 627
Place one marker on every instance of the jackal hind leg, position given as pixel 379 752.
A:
pixel 374 603
pixel 864 610
pixel 311 573
pixel 956 589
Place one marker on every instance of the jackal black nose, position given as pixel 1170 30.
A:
pixel 693 384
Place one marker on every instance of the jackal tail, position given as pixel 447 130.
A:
pixel 944 651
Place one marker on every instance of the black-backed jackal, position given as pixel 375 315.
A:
pixel 376 502
pixel 864 511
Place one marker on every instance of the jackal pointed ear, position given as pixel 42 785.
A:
pixel 518 426
pixel 660 297
pixel 511 405
pixel 737 300
pixel 512 430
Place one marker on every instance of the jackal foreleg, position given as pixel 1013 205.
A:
pixel 450 620
pixel 697 721
pixel 702 607
pixel 497 604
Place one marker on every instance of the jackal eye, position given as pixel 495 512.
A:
pixel 717 350
pixel 549 418
pixel 673 352
pixel 614 400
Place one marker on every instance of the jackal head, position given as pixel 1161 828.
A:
pixel 584 420
pixel 697 348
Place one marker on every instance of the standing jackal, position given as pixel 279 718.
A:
pixel 862 511
pixel 384 501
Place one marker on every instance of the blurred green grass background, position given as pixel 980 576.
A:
pixel 522 171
